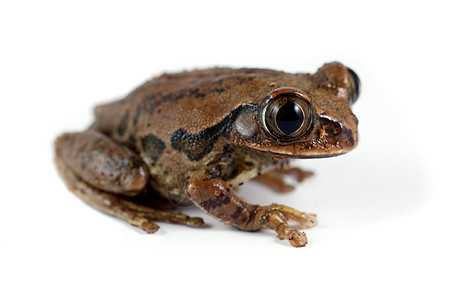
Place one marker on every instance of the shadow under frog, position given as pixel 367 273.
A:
pixel 192 137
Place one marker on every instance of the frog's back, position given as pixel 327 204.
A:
pixel 193 100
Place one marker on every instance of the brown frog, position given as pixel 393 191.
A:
pixel 193 137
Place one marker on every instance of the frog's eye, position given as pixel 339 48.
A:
pixel 355 87
pixel 286 116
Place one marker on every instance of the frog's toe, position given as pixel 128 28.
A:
pixel 297 239
pixel 195 222
pixel 275 182
pixel 298 174
pixel 145 224
pixel 305 220
pixel 150 227
pixel 302 175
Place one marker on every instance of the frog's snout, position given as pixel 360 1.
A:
pixel 336 137
pixel 347 137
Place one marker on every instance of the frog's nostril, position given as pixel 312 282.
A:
pixel 355 87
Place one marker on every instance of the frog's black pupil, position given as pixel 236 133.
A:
pixel 289 118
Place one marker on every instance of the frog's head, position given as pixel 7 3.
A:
pixel 311 117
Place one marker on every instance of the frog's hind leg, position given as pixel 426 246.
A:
pixel 116 204
pixel 121 207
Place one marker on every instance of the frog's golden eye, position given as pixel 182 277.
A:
pixel 354 88
pixel 286 115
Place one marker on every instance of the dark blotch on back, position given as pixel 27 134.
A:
pixel 225 81
pixel 152 146
pixel 196 146
pixel 123 124
pixel 154 100
pixel 137 115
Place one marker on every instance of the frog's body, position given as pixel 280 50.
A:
pixel 192 136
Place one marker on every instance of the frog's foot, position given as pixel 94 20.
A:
pixel 305 220
pixel 121 207
pixel 274 179
pixel 297 173
pixel 276 217
pixel 278 222
pixel 215 197
pixel 142 216
pixel 275 182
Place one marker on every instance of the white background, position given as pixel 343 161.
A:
pixel 383 209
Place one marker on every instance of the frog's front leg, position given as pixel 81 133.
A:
pixel 215 197
pixel 298 174
pixel 274 179
pixel 108 176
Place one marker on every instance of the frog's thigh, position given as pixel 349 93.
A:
pixel 102 163
pixel 215 197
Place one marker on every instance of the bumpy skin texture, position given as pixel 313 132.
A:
pixel 193 136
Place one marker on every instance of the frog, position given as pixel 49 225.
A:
pixel 194 137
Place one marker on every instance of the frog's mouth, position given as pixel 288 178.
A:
pixel 329 138
pixel 300 152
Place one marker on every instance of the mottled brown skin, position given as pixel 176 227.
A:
pixel 192 137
